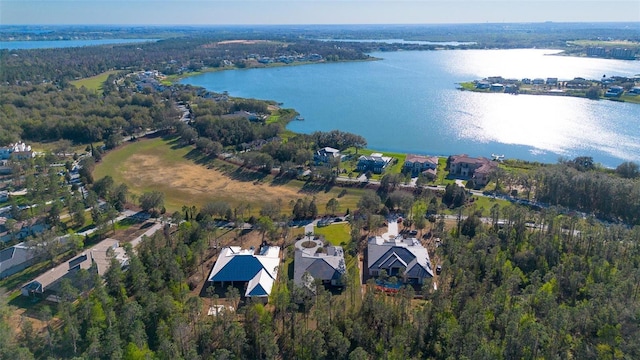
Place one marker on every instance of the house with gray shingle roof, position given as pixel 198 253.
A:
pixel 96 260
pixel 258 271
pixel 15 259
pixel 375 163
pixel 318 263
pixel 404 258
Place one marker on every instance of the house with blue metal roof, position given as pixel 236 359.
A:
pixel 258 271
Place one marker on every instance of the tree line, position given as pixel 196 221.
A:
pixel 503 293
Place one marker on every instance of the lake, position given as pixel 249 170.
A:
pixel 408 102
pixel 42 44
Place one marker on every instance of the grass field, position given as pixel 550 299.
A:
pixel 631 98
pixel 351 165
pixel 336 234
pixel 94 82
pixel 605 43
pixel 187 179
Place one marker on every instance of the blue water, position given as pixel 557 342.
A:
pixel 408 102
pixel 15 45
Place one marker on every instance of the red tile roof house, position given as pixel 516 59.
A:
pixel 416 164
pixel 478 169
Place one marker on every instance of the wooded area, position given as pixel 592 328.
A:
pixel 506 293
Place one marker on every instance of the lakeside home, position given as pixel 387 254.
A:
pixel 325 154
pixel 417 164
pixel 478 169
pixel 375 163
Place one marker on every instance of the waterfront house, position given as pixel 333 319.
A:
pixel 634 91
pixel 497 87
pixel 614 91
pixel 313 262
pixel 478 169
pixel 403 258
pixel 578 83
pixel 538 81
pixel 244 114
pixel 256 272
pixel 375 163
pixel 511 89
pixel 325 154
pixel 620 53
pixel 483 85
pixel 552 81
pixel 416 164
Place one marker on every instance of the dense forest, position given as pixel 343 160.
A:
pixel 169 56
pixel 49 113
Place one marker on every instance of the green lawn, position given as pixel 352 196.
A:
pixel 442 174
pixel 336 234
pixel 632 99
pixel 350 165
pixel 94 82
pixel 468 85
pixel 486 203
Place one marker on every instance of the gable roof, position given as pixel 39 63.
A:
pixel 325 151
pixel 327 265
pixel 398 252
pixel 260 285
pixel 260 271
pixel 412 158
pixel 94 257
pixel 15 256
pixel 465 159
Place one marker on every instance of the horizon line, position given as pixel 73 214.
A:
pixel 335 24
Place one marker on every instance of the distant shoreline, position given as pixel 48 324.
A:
pixel 173 79
pixel 527 89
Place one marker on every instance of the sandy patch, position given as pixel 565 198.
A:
pixel 199 183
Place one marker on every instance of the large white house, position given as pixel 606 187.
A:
pixel 325 155
pixel 257 271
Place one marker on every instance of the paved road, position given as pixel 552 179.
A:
pixel 123 215
pixel 152 230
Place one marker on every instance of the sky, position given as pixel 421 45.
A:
pixel 248 12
